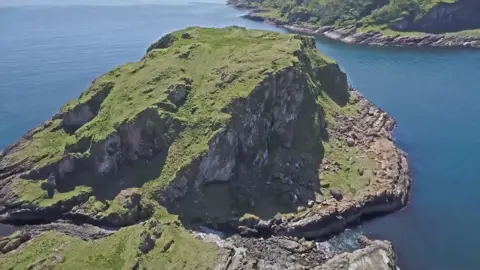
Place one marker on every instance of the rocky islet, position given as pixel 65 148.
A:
pixel 267 143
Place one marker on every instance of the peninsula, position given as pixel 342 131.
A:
pixel 220 149
pixel 415 23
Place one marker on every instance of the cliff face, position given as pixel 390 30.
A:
pixel 252 132
pixel 441 18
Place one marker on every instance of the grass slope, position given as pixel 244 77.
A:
pixel 54 250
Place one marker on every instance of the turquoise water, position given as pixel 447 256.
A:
pixel 50 54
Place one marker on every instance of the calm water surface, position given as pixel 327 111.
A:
pixel 50 54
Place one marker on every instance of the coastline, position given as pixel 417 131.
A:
pixel 349 35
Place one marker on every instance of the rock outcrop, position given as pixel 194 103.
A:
pixel 376 255
pixel 250 132
pixel 239 253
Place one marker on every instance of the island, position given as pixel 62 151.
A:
pixel 412 23
pixel 220 149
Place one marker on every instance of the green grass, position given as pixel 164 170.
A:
pixel 54 250
pixel 468 33
pixel 331 108
pixel 185 253
pixel 93 206
pixel 46 146
pixel 350 159
pixel 383 29
pixel 273 14
pixel 31 192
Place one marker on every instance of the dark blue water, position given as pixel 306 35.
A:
pixel 49 55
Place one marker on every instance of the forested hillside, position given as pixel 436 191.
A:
pixel 432 16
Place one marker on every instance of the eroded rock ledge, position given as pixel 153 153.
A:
pixel 280 252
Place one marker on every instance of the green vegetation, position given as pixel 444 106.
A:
pixel 93 206
pixel 31 192
pixel 350 169
pixel 399 9
pixel 185 253
pixel 54 250
pixel 45 145
pixel 469 33
pixel 365 15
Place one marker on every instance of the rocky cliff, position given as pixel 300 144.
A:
pixel 252 133
pixel 376 22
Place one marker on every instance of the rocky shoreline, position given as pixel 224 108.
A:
pixel 371 131
pixel 350 35
pixel 280 252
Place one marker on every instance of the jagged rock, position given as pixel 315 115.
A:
pixel 85 232
pixel 12 242
pixel 178 93
pixel 364 241
pixel 167 246
pixel 163 43
pixel 336 194
pixel 186 36
pixel 147 242
pixel 246 231
pixel 310 203
pixel 378 255
pixel 155 228
pixel 271 253
pixel 130 201
pixel 350 142
pixel 49 186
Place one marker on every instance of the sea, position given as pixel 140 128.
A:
pixel 50 51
